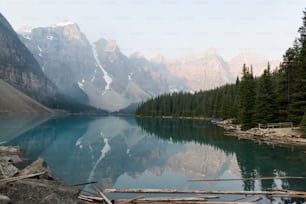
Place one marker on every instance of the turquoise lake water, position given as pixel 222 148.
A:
pixel 124 152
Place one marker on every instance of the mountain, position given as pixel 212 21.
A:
pixel 201 70
pixel 66 57
pixel 258 62
pixel 175 82
pixel 95 74
pixel 19 68
pixel 13 102
pixel 132 78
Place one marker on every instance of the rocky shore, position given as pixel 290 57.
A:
pixel 289 137
pixel 33 184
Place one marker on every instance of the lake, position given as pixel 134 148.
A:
pixel 125 152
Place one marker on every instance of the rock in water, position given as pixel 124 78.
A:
pixel 7 169
pixel 36 167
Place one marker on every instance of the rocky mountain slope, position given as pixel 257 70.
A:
pixel 258 62
pixel 207 69
pixel 201 71
pixel 132 77
pixel 19 68
pixel 13 102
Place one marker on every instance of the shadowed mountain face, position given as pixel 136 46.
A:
pixel 19 68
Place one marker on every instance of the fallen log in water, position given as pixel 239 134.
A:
pixel 178 200
pixel 251 179
pixel 90 198
pixel 17 178
pixel 175 191
pixel 86 183
pixel 129 200
pixel 102 195
pixel 276 193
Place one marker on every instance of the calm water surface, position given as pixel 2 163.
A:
pixel 124 152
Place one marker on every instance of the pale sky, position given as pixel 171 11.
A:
pixel 172 27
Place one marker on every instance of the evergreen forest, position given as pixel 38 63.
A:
pixel 278 95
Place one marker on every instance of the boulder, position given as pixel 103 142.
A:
pixel 9 150
pixel 13 158
pixel 40 191
pixel 36 167
pixel 5 200
pixel 10 153
pixel 7 169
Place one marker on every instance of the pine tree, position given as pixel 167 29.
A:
pixel 266 111
pixel 298 103
pixel 303 123
pixel 246 101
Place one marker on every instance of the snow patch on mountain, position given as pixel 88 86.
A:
pixel 27 37
pixel 130 76
pixel 50 37
pixel 93 78
pixel 25 34
pixel 106 76
pixel 40 50
pixel 81 84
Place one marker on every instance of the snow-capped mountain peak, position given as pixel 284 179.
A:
pixel 63 23
pixel 137 55
pixel 25 29
pixel 111 46
pixel 158 58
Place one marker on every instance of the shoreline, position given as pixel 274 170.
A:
pixel 32 184
pixel 173 117
pixel 284 137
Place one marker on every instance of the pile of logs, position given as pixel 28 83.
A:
pixel 199 196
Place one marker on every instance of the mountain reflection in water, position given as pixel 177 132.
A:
pixel 124 152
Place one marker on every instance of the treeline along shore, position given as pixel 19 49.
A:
pixel 278 95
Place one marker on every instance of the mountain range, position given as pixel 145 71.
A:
pixel 46 63
pixel 97 74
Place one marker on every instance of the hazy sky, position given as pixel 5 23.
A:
pixel 172 27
